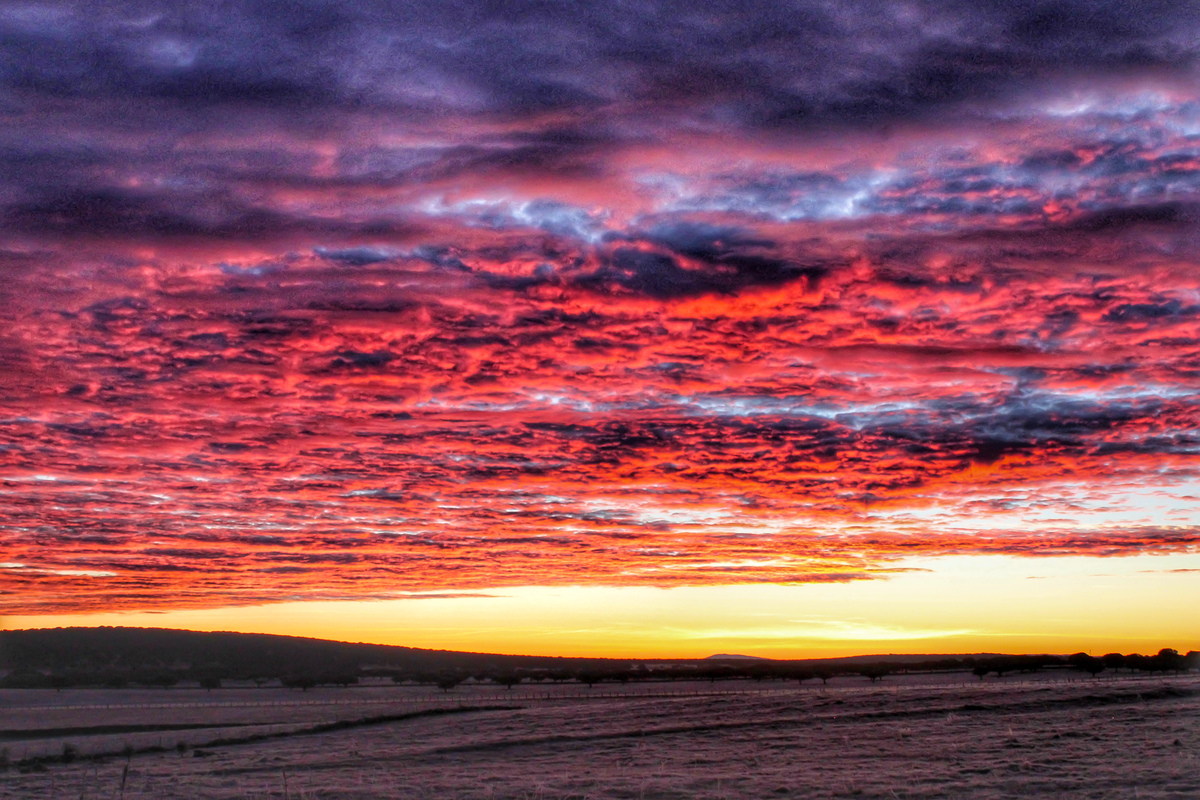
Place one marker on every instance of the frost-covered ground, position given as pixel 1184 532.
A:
pixel 905 737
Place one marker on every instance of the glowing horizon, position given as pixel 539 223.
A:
pixel 348 307
pixel 1067 611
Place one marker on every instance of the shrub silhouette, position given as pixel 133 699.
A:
pixel 589 677
pixel 1000 666
pixel 874 672
pixel 448 682
pixel 1085 663
pixel 799 675
pixel 301 682
pixel 210 682
pixel 342 679
pixel 1169 660
pixel 507 681
pixel 1114 661
pixel 981 670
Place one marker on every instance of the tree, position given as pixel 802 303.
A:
pixel 342 679
pixel 164 680
pixel 588 677
pixel 301 682
pixel 823 674
pixel 1001 666
pixel 981 670
pixel 448 682
pixel 1169 660
pixel 874 671
pixel 507 681
pixel 799 675
pixel 210 682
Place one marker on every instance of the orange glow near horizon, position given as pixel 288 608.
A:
pixel 960 605
pixel 599 353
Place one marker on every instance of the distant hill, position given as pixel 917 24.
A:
pixel 734 657
pixel 108 648
pixel 126 649
pixel 160 656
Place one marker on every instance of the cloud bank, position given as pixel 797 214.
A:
pixel 304 302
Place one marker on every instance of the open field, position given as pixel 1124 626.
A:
pixel 905 737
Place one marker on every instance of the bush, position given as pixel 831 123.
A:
pixel 507 681
pixel 874 672
pixel 589 677
pixel 301 682
pixel 1085 663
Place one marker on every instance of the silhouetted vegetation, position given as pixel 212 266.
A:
pixel 1113 661
pixel 301 682
pixel 119 657
pixel 1085 663
pixel 448 682
pixel 874 672
pixel 508 680
pixel 589 677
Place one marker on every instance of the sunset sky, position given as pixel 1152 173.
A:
pixel 659 328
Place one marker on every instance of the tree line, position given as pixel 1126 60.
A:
pixel 212 675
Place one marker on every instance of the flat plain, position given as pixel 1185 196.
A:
pixel 915 736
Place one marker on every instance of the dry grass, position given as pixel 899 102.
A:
pixel 1101 739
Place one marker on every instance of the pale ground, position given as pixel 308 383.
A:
pixel 906 737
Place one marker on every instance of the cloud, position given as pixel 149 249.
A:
pixel 782 65
pixel 356 256
pixel 358 301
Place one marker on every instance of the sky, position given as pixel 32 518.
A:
pixel 657 328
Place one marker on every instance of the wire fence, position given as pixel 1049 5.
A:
pixel 469 696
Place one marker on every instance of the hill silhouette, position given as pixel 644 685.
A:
pixel 108 648
pixel 116 656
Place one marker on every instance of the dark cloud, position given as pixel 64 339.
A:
pixel 356 256
pixel 1137 312
pixel 792 62
pixel 106 212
